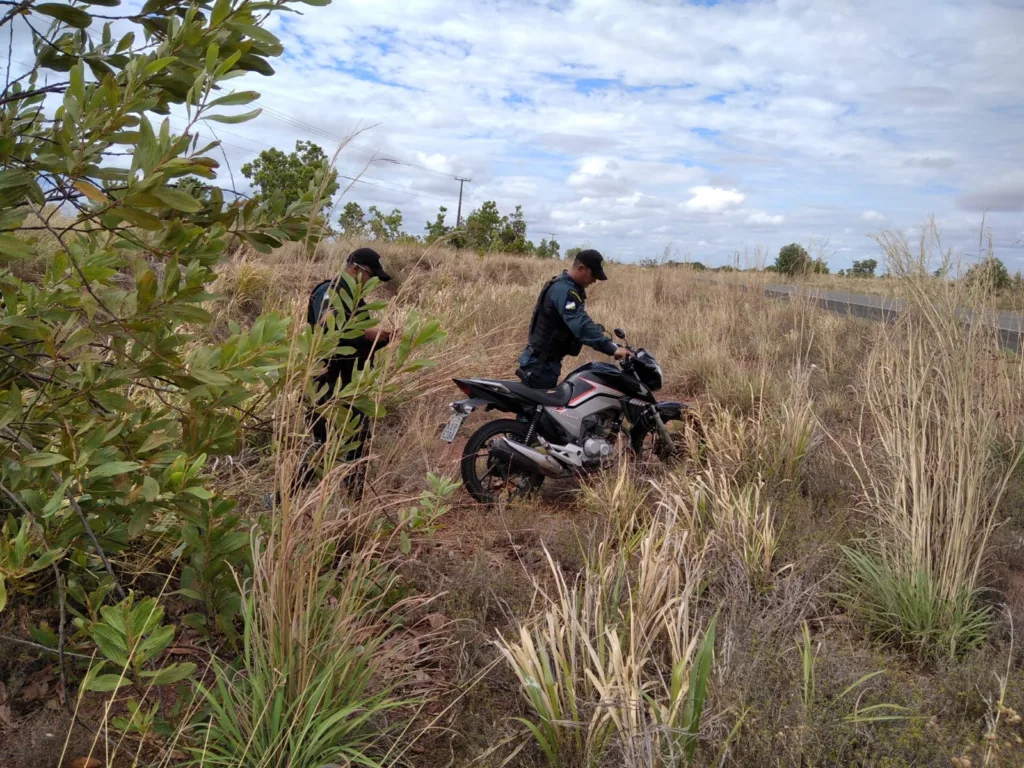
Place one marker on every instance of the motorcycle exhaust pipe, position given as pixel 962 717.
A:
pixel 525 457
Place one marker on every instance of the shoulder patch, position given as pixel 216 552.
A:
pixel 570 304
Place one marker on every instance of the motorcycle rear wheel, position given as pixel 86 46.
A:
pixel 483 475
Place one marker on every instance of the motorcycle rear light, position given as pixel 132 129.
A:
pixel 464 387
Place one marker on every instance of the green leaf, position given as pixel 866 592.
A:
pixel 234 118
pixel 14 248
pixel 221 9
pixel 139 218
pixel 44 459
pixel 112 468
pixel 253 63
pixel 234 99
pixel 111 643
pixel 140 517
pixel 146 289
pixel 172 674
pixel 104 3
pixel 213 378
pixel 177 199
pixel 3 593
pixel 107 683
pixel 74 17
pixel 156 643
pixel 150 488
pixel 126 41
pixel 157 65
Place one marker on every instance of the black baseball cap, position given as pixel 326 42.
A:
pixel 369 258
pixel 594 260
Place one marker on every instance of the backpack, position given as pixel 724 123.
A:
pixel 318 302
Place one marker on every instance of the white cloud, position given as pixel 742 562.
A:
pixel 594 118
pixel 713 200
pixel 760 218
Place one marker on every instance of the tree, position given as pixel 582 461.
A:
pixel 386 228
pixel 548 249
pixel 115 388
pixel 512 234
pixel 697 266
pixel 482 226
pixel 865 268
pixel 572 253
pixel 292 175
pixel 989 274
pixel 792 260
pixel 107 340
pixel 438 229
pixel 819 267
pixel 352 220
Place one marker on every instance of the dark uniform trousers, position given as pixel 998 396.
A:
pixel 537 373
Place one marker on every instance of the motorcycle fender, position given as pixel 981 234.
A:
pixel 670 410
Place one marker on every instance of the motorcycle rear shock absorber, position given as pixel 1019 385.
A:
pixel 532 431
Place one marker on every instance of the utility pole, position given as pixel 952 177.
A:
pixel 458 216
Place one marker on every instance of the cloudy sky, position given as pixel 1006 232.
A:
pixel 704 128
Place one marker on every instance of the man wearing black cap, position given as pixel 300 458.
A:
pixel 361 265
pixel 561 326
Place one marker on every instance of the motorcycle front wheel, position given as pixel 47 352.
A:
pixel 489 479
pixel 688 441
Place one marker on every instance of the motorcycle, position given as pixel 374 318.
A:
pixel 561 432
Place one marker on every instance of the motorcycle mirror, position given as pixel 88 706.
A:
pixel 620 333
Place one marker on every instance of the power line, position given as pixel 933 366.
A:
pixel 376 154
pixel 375 183
pixel 369 181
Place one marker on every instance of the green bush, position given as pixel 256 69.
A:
pixel 908 613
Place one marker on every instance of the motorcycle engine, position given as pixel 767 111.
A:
pixel 599 433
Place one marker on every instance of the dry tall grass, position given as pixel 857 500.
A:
pixel 935 461
pixel 606 632
pixel 612 669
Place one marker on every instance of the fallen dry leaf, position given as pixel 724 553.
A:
pixel 37 689
pixel 6 718
pixel 435 620
pixel 85 762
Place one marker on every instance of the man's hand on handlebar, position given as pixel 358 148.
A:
pixel 622 353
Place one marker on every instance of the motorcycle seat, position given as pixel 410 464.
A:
pixel 556 398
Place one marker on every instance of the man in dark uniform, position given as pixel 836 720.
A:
pixel 561 326
pixel 361 265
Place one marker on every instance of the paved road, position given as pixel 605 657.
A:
pixel 882 308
